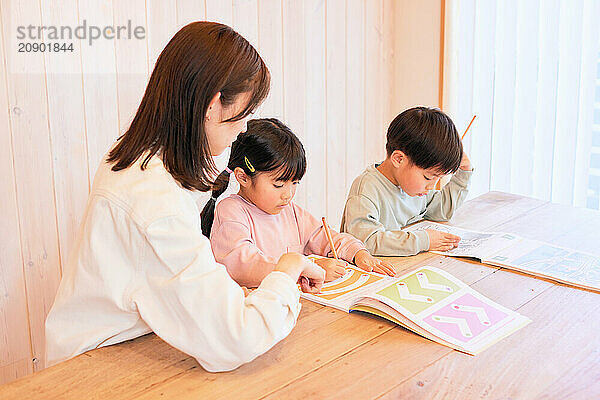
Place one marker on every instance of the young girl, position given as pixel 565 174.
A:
pixel 253 228
pixel 140 262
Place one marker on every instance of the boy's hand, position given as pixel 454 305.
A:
pixel 333 268
pixel 441 241
pixel 363 259
pixel 465 163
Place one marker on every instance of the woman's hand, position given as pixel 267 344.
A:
pixel 364 260
pixel 302 269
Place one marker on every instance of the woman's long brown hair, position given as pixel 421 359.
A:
pixel 201 60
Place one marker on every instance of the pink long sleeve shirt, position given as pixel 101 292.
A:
pixel 249 241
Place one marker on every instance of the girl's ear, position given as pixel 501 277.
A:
pixel 214 108
pixel 243 179
pixel 398 159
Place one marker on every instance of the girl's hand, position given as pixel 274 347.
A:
pixel 364 260
pixel 333 268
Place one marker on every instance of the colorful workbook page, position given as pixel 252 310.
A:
pixel 529 256
pixel 428 301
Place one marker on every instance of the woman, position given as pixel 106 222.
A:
pixel 140 262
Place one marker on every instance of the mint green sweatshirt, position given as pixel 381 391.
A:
pixel 376 211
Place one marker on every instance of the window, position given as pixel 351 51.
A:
pixel 593 190
pixel 530 71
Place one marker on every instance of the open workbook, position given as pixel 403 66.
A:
pixel 428 301
pixel 529 256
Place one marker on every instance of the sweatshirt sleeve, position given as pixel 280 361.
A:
pixel 313 234
pixel 233 246
pixel 192 303
pixel 443 203
pixel 361 219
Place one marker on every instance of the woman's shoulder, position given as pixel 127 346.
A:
pixel 146 194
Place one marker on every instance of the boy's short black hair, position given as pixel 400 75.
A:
pixel 428 137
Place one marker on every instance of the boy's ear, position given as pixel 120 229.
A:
pixel 398 158
pixel 243 179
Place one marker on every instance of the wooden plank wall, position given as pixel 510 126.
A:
pixel 333 81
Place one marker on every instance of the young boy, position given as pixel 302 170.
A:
pixel 422 146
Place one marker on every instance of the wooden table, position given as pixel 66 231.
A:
pixel 331 354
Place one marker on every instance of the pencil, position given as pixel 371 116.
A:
pixel 438 185
pixel 467 130
pixel 328 233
